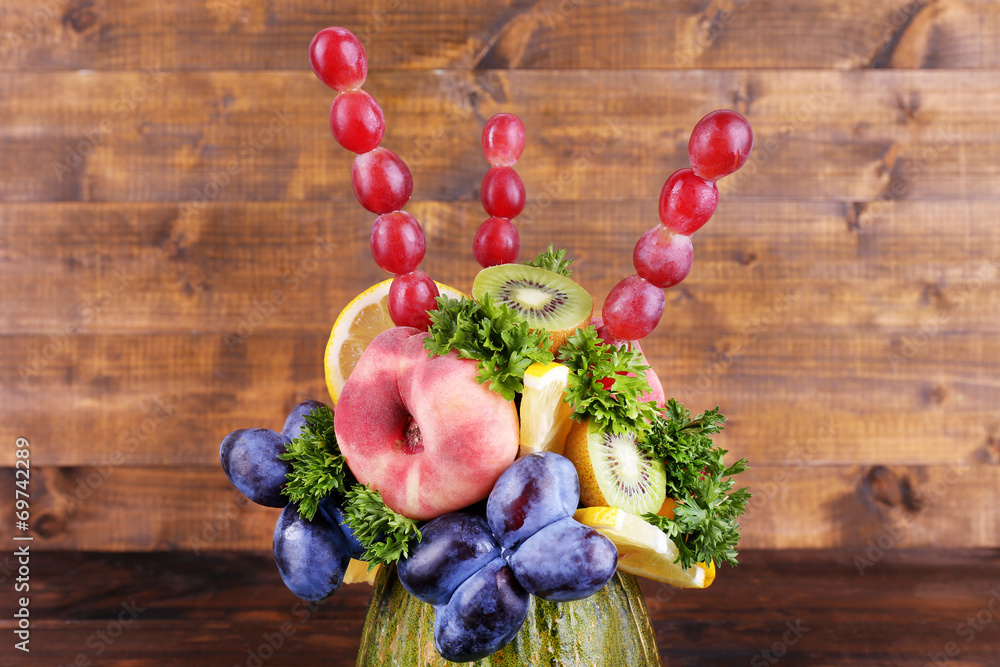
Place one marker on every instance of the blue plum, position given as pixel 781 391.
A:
pixel 453 548
pixel 339 516
pixel 532 493
pixel 312 556
pixel 250 460
pixel 564 561
pixel 483 615
pixel 297 418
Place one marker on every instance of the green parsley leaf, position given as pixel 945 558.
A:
pixel 684 444
pixel 319 471
pixel 704 524
pixel 617 407
pixel 386 535
pixel 492 334
pixel 553 260
pixel 318 468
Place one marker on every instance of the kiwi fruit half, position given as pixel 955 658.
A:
pixel 545 299
pixel 613 471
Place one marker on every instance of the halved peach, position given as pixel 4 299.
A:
pixel 421 430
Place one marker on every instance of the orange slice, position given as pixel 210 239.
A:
pixel 357 572
pixel 643 549
pixel 365 317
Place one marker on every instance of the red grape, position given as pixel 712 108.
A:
pixel 503 193
pixel 496 242
pixel 356 121
pixel 606 336
pixel 338 59
pixel 720 143
pixel 633 308
pixel 687 201
pixel 411 295
pixel 381 180
pixel 503 139
pixel 397 242
pixel 662 257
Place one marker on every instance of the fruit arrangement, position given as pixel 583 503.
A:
pixel 504 451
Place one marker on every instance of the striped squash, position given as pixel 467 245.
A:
pixel 609 628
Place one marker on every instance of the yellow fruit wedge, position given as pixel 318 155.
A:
pixel 545 418
pixel 668 507
pixel 643 549
pixel 357 573
pixel 365 317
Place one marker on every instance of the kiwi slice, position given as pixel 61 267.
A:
pixel 545 299
pixel 613 471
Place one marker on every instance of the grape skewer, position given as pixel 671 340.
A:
pixel 502 192
pixel 381 180
pixel 719 145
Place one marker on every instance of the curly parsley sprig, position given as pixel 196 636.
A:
pixel 704 524
pixel 616 407
pixel 386 535
pixel 492 334
pixel 319 470
pixel 553 260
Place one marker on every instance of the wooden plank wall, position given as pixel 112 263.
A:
pixel 167 177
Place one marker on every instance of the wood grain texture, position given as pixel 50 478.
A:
pixel 263 136
pixel 122 268
pixel 549 34
pixel 170 399
pixel 767 332
pixel 178 233
pixel 213 608
pixel 111 507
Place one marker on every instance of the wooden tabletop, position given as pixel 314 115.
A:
pixel 778 607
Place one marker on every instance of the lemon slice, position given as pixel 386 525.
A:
pixel 357 572
pixel 545 418
pixel 643 549
pixel 365 317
